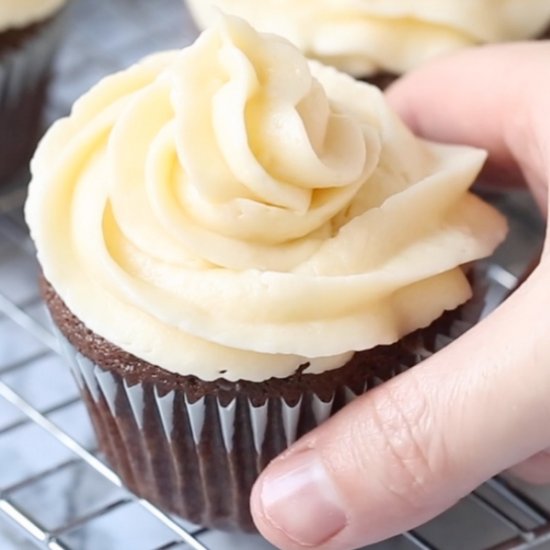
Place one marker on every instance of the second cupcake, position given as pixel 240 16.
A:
pixel 30 31
pixel 378 40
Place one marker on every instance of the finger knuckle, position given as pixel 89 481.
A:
pixel 404 438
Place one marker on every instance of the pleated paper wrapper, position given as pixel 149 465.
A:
pixel 25 71
pixel 199 459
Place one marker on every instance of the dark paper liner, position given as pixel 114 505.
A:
pixel 25 65
pixel 198 457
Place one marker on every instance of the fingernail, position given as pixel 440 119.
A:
pixel 300 499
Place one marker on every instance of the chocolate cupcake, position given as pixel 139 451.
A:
pixel 195 447
pixel 243 242
pixel 30 31
pixel 377 41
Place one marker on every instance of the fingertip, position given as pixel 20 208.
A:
pixel 294 503
pixel 342 486
pixel 415 96
pixel 469 98
pixel 398 96
pixel 257 510
pixel 262 523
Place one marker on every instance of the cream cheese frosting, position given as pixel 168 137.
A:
pixel 364 37
pixel 234 210
pixel 20 13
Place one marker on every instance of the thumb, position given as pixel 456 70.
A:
pixel 403 452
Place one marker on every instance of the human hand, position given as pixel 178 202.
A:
pixel 407 450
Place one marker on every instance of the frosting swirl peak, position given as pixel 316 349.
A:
pixel 231 209
pixel 267 162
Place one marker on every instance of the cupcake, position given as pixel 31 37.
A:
pixel 378 40
pixel 29 34
pixel 244 241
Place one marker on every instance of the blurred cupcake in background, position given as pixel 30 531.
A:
pixel 30 31
pixel 378 40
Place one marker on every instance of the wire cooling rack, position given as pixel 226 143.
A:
pixel 56 491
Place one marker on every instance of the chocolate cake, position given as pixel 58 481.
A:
pixel 207 477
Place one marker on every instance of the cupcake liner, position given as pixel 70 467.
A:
pixel 24 77
pixel 199 458
pixel 196 459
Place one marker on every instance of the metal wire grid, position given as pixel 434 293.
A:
pixel 73 499
pixel 12 231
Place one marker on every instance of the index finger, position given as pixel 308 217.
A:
pixel 495 97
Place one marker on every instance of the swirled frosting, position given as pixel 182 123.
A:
pixel 233 210
pixel 364 37
pixel 20 13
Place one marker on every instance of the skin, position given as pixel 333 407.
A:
pixel 406 451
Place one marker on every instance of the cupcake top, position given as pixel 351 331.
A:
pixel 20 13
pixel 365 37
pixel 233 210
